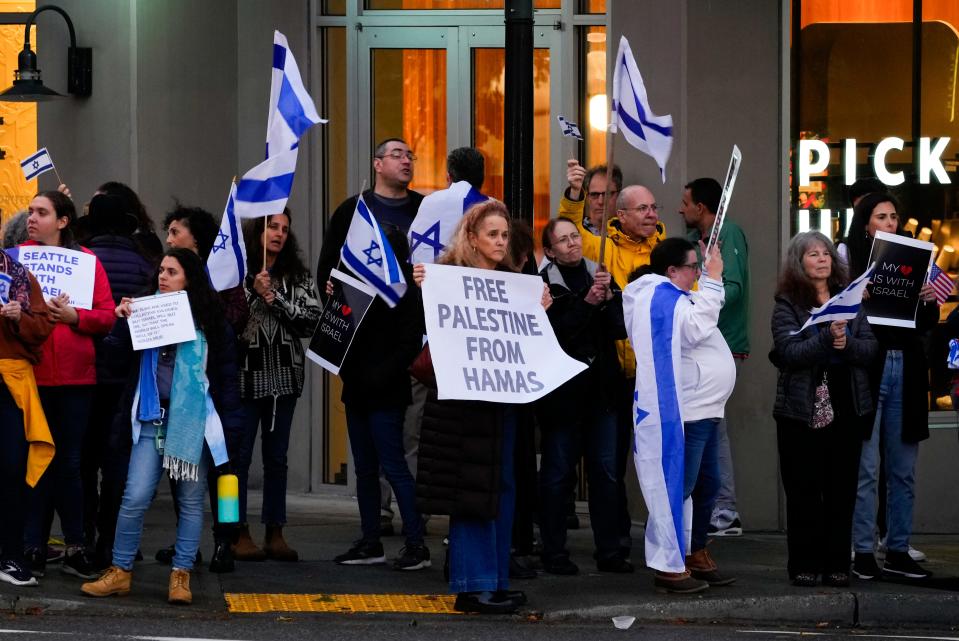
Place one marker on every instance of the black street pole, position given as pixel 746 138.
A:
pixel 518 118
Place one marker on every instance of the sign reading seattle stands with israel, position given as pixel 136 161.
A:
pixel 489 336
pixel 59 270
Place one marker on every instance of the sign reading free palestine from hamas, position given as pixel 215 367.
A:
pixel 489 336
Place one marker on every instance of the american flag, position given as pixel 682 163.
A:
pixel 942 285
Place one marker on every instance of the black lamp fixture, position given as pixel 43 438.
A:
pixel 27 86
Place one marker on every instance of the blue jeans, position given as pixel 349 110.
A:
pixel 479 550
pixel 563 443
pixel 900 464
pixel 376 439
pixel 67 408
pixel 701 479
pixel 143 475
pixel 275 441
pixel 13 469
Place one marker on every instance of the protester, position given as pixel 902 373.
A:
pixel 180 405
pixel 684 376
pixel 823 403
pixel 284 309
pixel 594 181
pixel 65 375
pixel 26 446
pixel 900 380
pixel 476 436
pixel 109 228
pixel 579 419
pixel 15 229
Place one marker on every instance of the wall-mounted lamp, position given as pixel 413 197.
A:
pixel 27 86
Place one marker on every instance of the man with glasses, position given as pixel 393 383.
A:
pixel 698 209
pixel 594 180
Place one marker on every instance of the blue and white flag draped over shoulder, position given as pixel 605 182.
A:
pixel 369 255
pixel 36 164
pixel 644 130
pixel 844 305
pixel 264 190
pixel 227 261
pixel 292 111
pixel 436 219
pixel 651 306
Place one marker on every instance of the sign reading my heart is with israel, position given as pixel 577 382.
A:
pixel 901 266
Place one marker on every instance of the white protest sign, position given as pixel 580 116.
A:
pixel 164 319
pixel 731 172
pixel 59 271
pixel 490 338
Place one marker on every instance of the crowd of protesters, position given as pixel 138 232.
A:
pixel 652 317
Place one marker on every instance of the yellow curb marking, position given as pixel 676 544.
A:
pixel 347 603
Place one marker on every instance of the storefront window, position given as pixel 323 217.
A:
pixel 334 7
pixel 594 112
pixel 452 4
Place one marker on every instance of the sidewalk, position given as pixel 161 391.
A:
pixel 324 524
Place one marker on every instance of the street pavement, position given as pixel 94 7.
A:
pixel 323 524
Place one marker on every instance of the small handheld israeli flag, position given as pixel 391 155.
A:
pixel 569 128
pixel 5 282
pixel 368 254
pixel 264 190
pixel 292 111
pixel 227 261
pixel 36 164
pixel 953 360
pixel 844 305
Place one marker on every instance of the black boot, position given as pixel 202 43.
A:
pixel 222 561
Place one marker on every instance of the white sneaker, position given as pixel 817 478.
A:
pixel 914 554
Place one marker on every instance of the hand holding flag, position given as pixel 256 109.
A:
pixel 844 305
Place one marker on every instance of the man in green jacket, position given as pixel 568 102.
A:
pixel 698 209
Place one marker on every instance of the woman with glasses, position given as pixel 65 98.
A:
pixel 823 400
pixel 684 376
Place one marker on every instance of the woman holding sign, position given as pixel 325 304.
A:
pixel 900 380
pixel 180 402
pixel 66 376
pixel 823 400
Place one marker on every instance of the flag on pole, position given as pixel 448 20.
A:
pixel 36 164
pixel 368 254
pixel 292 111
pixel 644 130
pixel 942 285
pixel 844 305
pixel 436 219
pixel 227 262
pixel 264 190
pixel 570 129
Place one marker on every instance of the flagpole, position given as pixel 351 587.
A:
pixel 57 174
pixel 606 204
pixel 263 240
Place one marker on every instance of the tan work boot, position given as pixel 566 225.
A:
pixel 245 549
pixel 276 547
pixel 701 566
pixel 678 583
pixel 113 581
pixel 179 593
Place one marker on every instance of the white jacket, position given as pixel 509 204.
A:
pixel 708 369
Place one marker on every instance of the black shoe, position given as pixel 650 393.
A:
pixel 519 570
pixel 516 596
pixel 165 556
pixel 363 553
pixel 836 580
pixel 16 573
pixel 805 579
pixel 733 529
pixel 80 564
pixel 560 565
pixel 484 603
pixel 616 564
pixel 36 561
pixel 864 566
pixel 413 557
pixel 222 561
pixel 900 564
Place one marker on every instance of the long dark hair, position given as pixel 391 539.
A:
pixel 64 208
pixel 858 239
pixel 289 262
pixel 208 314
pixel 131 202
pixel 794 284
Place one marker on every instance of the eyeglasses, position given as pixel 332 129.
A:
pixel 398 154
pixel 596 195
pixel 693 266
pixel 643 208
pixel 569 239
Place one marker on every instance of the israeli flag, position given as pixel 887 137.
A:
pixel 368 254
pixel 436 219
pixel 5 282
pixel 644 130
pixel 291 108
pixel 227 261
pixel 844 305
pixel 570 129
pixel 264 190
pixel 36 164
pixel 652 307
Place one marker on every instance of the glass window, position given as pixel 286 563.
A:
pixel 592 6
pixel 453 4
pixel 594 112
pixel 334 7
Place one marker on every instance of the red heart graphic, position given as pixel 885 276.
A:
pixel 346 310
pixel 905 269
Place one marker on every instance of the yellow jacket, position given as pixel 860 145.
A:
pixel 17 375
pixel 623 256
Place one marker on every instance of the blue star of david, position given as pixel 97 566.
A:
pixel 370 258
pixel 36 164
pixel 221 245
pixel 640 413
pixel 431 238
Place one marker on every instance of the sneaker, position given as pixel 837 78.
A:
pixel 864 566
pixel 16 573
pixel 36 560
pixel 836 580
pixel 733 529
pixel 901 564
pixel 412 557
pixel 485 603
pixel 914 554
pixel 79 563
pixel 363 553
pixel 560 565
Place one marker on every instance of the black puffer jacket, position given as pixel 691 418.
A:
pixel 801 358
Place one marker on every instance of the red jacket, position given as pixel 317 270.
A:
pixel 68 357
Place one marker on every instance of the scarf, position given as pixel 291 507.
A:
pixel 19 286
pixel 17 375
